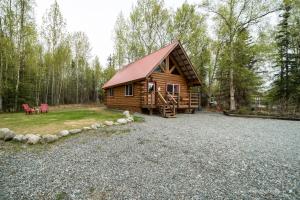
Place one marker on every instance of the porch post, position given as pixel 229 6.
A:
pixel 190 95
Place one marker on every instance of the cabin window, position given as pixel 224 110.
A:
pixel 173 88
pixel 151 87
pixel 129 90
pixel 111 92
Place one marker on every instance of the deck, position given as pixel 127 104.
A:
pixel 169 104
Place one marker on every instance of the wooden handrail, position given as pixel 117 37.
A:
pixel 171 98
pixel 161 97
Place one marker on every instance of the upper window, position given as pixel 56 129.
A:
pixel 158 69
pixel 129 90
pixel 111 92
pixel 173 88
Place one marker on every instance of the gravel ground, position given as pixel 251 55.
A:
pixel 200 156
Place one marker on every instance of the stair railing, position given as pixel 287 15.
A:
pixel 173 102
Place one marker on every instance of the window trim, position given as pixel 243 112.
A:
pixel 111 92
pixel 173 84
pixel 126 95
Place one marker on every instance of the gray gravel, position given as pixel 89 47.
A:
pixel 200 156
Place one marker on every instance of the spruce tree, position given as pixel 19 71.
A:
pixel 285 59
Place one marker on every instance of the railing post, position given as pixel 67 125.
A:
pixel 151 96
pixel 190 99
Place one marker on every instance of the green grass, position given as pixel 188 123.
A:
pixel 55 121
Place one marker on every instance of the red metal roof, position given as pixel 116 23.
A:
pixel 140 68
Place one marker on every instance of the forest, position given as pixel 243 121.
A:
pixel 238 54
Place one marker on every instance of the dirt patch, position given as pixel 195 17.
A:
pixel 77 106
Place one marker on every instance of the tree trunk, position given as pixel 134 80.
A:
pixel 77 81
pixel 1 75
pixel 231 84
pixel 232 100
pixel 17 89
pixel 47 88
pixel 1 103
pixel 52 87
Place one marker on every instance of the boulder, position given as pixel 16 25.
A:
pixel 19 138
pixel 75 131
pixel 122 121
pixel 9 136
pixel 126 113
pixel 87 128
pixel 116 123
pixel 94 126
pixel 32 139
pixel 130 119
pixel 98 125
pixel 109 123
pixel 63 133
pixel 3 131
pixel 49 138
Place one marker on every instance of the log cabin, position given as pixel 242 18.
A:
pixel 159 82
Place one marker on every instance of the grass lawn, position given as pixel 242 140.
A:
pixel 57 119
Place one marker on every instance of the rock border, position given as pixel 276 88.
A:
pixel 8 135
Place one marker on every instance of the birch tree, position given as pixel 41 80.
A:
pixel 53 29
pixel 236 16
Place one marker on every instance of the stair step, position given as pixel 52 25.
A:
pixel 170 116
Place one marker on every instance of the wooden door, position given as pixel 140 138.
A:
pixel 151 93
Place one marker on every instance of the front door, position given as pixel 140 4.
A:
pixel 151 93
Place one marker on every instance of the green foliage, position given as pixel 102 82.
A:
pixel 286 85
pixel 188 26
pixel 246 79
pixel 144 31
pixel 53 68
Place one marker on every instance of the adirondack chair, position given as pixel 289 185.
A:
pixel 27 109
pixel 44 108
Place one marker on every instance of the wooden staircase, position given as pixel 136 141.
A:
pixel 167 107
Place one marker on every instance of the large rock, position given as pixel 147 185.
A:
pixel 49 138
pixel 19 138
pixel 87 128
pixel 3 131
pixel 32 139
pixel 99 125
pixel 63 133
pixel 95 126
pixel 130 119
pixel 109 123
pixel 126 113
pixel 9 136
pixel 75 131
pixel 122 121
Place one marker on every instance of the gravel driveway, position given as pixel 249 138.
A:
pixel 200 156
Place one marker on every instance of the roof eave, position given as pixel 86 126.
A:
pixel 124 83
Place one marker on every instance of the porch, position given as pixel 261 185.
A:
pixel 169 104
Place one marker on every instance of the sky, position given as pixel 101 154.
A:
pixel 96 18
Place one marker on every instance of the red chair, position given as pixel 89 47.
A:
pixel 27 109
pixel 44 108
